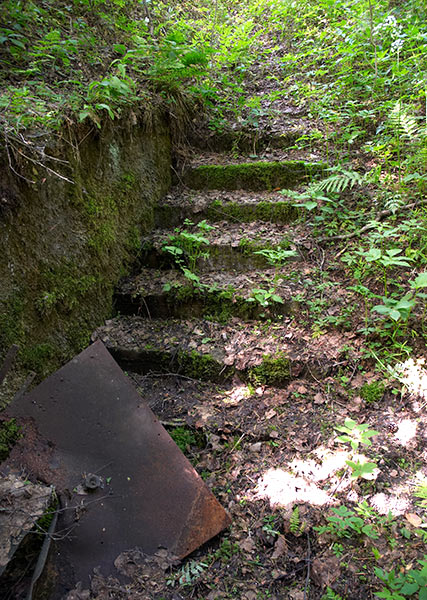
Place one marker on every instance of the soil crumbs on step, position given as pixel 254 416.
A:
pixel 272 458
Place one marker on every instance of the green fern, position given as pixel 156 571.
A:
pixel 295 525
pixel 340 180
pixel 421 492
pixel 393 202
pixel 191 572
pixel 404 123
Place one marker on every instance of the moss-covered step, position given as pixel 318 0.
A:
pixel 206 350
pixel 247 139
pixel 232 246
pixel 236 206
pixel 267 294
pixel 254 176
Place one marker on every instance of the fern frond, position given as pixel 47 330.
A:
pixel 295 525
pixel 340 181
pixel 421 492
pixel 405 123
pixel 190 572
pixel 393 203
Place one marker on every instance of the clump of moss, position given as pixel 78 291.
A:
pixel 202 366
pixel 10 433
pixel 372 392
pixel 251 176
pixel 274 370
pixel 273 212
pixel 38 358
pixel 11 323
pixel 184 438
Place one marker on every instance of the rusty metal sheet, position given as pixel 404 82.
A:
pixel 124 483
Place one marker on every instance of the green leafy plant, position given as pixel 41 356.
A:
pixel 355 434
pixel 188 247
pixel 189 573
pixel 264 297
pixel 361 469
pixel 404 584
pixel 344 523
pixel 331 595
pixel 270 525
pixel 385 259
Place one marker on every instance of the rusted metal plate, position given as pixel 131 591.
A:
pixel 149 496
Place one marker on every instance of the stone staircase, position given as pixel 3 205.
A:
pixel 236 309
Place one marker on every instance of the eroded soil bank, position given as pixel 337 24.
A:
pixel 66 239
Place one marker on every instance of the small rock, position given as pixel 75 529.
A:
pixel 255 447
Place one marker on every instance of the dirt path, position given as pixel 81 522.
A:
pixel 242 333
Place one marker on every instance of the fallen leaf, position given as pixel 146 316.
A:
pixel 247 545
pixel 255 447
pixel 413 519
pixel 319 398
pixel 280 548
pixel 325 570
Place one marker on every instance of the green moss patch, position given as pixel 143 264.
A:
pixel 251 176
pixel 372 392
pixel 10 432
pixel 274 212
pixel 185 438
pixel 274 370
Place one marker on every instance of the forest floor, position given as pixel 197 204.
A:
pixel 315 513
pixel 275 323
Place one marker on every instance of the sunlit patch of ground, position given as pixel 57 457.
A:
pixel 328 463
pixel 406 432
pixel 303 484
pixel 395 502
pixel 413 374
pixel 284 489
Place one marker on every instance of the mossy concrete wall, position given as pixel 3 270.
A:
pixel 63 246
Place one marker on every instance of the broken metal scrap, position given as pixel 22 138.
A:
pixel 123 481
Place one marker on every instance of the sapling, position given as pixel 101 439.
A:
pixel 356 434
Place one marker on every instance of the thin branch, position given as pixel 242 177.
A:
pixel 380 215
pixel 11 167
pixel 40 164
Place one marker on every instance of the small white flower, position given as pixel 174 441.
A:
pixel 397 45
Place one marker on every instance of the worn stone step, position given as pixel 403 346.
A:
pixel 206 350
pixel 236 206
pixel 249 140
pixel 255 175
pixel 219 295
pixel 232 246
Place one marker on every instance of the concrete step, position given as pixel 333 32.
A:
pixel 251 176
pixel 260 353
pixel 235 206
pixel 231 246
pixel 219 295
